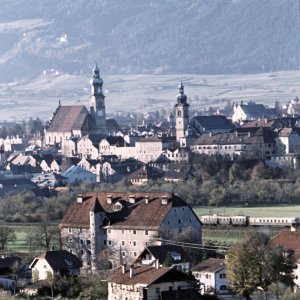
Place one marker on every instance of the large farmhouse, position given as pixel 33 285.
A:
pixel 123 224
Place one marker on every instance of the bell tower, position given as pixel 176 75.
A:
pixel 182 113
pixel 97 102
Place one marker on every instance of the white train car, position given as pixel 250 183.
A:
pixel 239 220
pixel 272 221
pixel 224 220
pixel 209 219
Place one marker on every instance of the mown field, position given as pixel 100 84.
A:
pixel 258 211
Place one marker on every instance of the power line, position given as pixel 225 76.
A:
pixel 193 245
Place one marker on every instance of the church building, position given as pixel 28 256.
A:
pixel 70 121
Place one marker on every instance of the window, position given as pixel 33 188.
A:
pixel 134 231
pixel 157 290
pixel 123 253
pixel 70 230
pixel 134 253
pixel 109 242
pixel 179 221
pixel 146 232
pixel 123 243
pixel 123 231
pixel 104 242
pixel 134 243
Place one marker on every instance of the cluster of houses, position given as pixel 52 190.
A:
pixel 81 145
pixel 134 234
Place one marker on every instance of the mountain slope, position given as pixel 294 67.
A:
pixel 138 36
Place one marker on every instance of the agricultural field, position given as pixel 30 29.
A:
pixel 222 235
pixel 39 96
pixel 21 244
pixel 257 211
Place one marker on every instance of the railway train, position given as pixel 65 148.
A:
pixel 249 221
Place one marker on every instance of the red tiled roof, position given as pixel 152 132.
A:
pixel 289 240
pixel 210 265
pixel 137 215
pixel 68 118
pixel 147 275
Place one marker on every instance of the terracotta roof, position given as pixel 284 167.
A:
pixel 132 215
pixel 289 240
pixel 210 265
pixel 147 275
pixel 68 118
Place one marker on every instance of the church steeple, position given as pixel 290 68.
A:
pixel 97 102
pixel 182 113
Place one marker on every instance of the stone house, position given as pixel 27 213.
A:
pixel 254 143
pixel 167 255
pixel 144 174
pixel 76 174
pixel 252 111
pixel 177 154
pixel 53 262
pixel 92 165
pixel 146 282
pixel 123 224
pixel 289 138
pixel 87 148
pixel 211 274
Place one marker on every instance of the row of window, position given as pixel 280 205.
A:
pixel 146 232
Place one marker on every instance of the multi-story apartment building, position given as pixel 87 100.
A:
pixel 122 224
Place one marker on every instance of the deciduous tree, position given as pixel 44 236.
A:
pixel 254 263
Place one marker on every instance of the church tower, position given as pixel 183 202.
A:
pixel 182 114
pixel 97 102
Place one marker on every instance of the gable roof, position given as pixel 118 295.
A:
pixel 210 265
pixel 138 215
pixel 59 259
pixel 68 118
pixel 240 136
pixel 289 240
pixel 161 252
pixel 147 275
pixel 213 122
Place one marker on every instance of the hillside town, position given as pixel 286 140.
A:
pixel 119 224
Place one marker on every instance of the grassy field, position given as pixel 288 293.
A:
pixel 261 211
pixel 20 245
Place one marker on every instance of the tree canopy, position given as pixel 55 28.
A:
pixel 255 263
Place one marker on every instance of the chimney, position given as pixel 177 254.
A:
pixel 164 200
pixel 131 199
pixel 131 271
pixel 236 133
pixel 109 199
pixel 79 198
pixel 147 199
pixel 124 269
pixel 210 134
pixel 157 265
pixel 249 134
